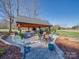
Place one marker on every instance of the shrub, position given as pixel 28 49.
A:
pixel 2 51
pixel 21 35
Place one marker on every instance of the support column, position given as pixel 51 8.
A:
pixel 28 28
pixel 49 28
pixel 39 28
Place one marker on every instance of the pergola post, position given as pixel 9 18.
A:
pixel 39 28
pixel 28 28
pixel 49 28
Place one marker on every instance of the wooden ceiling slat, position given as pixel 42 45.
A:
pixel 30 25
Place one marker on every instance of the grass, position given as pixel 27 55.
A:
pixel 68 34
pixel 62 33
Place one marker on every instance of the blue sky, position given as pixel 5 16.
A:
pixel 62 12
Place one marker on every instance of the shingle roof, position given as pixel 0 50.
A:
pixel 31 20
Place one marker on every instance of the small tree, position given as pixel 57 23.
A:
pixel 6 9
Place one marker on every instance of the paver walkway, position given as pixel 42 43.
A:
pixel 39 50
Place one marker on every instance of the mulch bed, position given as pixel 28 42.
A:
pixel 70 48
pixel 12 52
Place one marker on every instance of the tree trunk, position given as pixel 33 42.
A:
pixel 10 29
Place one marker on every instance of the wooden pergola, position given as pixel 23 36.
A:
pixel 31 25
pixel 24 22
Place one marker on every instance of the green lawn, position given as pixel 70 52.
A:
pixel 68 34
